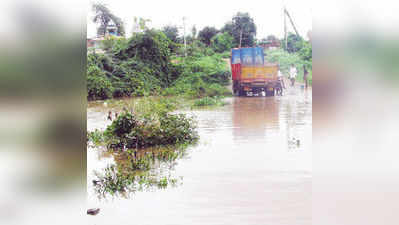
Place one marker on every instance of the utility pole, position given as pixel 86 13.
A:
pixel 240 37
pixel 285 28
pixel 292 22
pixel 184 36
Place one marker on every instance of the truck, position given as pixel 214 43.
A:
pixel 251 75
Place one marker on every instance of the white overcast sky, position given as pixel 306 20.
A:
pixel 268 15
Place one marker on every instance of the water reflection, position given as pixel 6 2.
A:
pixel 243 170
pixel 138 170
pixel 253 116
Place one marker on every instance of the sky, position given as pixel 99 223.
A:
pixel 267 15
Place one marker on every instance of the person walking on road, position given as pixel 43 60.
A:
pixel 293 73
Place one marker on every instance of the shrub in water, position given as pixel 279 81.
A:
pixel 209 101
pixel 167 129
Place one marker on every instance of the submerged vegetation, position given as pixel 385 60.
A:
pixel 209 101
pixel 132 131
pixel 139 170
pixel 145 141
pixel 147 123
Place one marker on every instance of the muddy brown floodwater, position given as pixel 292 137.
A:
pixel 246 169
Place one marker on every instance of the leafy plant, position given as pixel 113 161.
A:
pixel 98 85
pixel 242 28
pixel 159 128
pixel 206 34
pixel 209 101
pixel 222 42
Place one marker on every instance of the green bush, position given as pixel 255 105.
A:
pixel 142 65
pixel 212 69
pixel 222 42
pixel 226 54
pixel 217 90
pixel 132 131
pixel 209 101
pixel 137 66
pixel 108 43
pixel 96 137
pixel 98 85
pixel 285 59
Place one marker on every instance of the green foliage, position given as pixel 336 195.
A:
pixel 142 65
pixel 149 47
pixel 197 49
pixel 306 54
pixel 172 32
pixel 98 86
pixel 285 59
pixel 222 42
pixel 201 76
pixel 138 170
pixel 206 34
pixel 226 54
pixel 109 42
pixel 96 137
pixel 294 43
pixel 242 25
pixel 162 128
pixel 217 90
pixel 209 101
pixel 137 66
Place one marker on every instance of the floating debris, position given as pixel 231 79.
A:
pixel 93 212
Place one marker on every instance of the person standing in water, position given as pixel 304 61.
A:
pixel 305 76
pixel 280 84
pixel 109 115
pixel 293 73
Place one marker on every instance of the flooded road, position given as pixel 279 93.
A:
pixel 252 165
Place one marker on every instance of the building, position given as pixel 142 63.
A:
pixel 95 42
pixel 270 44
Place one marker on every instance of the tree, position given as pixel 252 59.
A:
pixel 103 16
pixel 306 54
pixel 294 43
pixel 172 32
pixel 194 32
pixel 206 34
pixel 222 42
pixel 242 28
pixel 152 49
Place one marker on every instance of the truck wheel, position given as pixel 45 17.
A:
pixel 269 93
